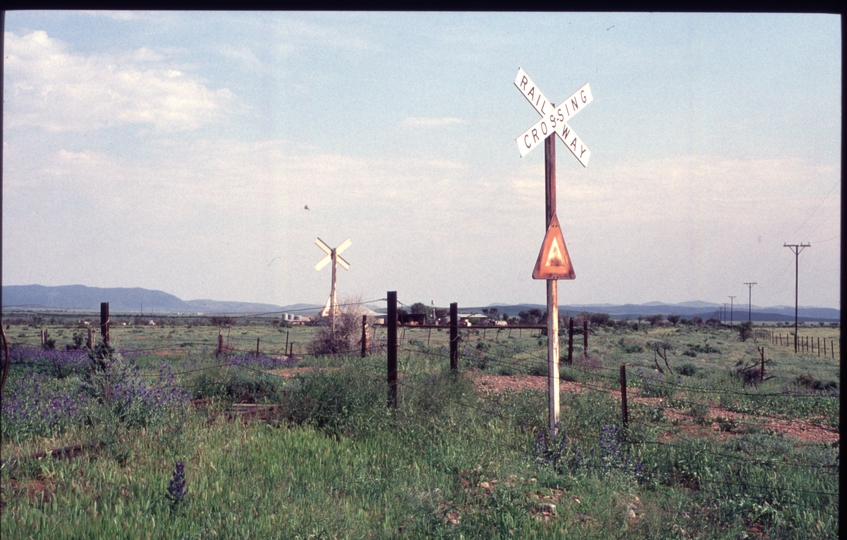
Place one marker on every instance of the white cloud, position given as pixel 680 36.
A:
pixel 54 89
pixel 432 122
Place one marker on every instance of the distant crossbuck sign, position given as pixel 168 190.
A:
pixel 326 260
pixel 553 119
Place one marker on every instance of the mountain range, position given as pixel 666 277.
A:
pixel 146 301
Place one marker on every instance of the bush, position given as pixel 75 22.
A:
pixel 745 330
pixel 335 401
pixel 687 369
pixel 342 335
pixel 653 384
pixel 239 386
pixel 600 319
pixel 630 346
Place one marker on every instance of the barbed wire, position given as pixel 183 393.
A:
pixel 522 448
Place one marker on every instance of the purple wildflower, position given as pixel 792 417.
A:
pixel 176 487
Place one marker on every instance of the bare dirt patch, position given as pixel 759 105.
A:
pixel 803 430
pixel 516 383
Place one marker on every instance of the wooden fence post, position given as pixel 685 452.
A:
pixel 454 336
pixel 43 337
pixel 104 321
pixel 365 336
pixel 391 321
pixel 90 343
pixel 762 350
pixel 220 344
pixel 624 412
pixel 285 350
pixel 257 347
pixel 585 338
pixel 570 340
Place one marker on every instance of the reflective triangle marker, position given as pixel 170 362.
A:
pixel 553 259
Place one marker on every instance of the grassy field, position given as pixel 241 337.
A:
pixel 709 450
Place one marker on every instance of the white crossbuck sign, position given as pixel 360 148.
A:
pixel 329 255
pixel 553 119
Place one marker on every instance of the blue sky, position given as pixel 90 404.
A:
pixel 178 151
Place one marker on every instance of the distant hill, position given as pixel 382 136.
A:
pixel 704 310
pixel 132 300
pixel 81 297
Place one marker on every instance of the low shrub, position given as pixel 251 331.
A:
pixel 687 369
pixel 334 401
pixel 631 346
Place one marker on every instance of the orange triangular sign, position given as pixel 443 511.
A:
pixel 553 260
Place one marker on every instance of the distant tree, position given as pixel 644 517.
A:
pixel 696 320
pixel 533 316
pixel 344 335
pixel 655 319
pixel 745 330
pixel 223 320
pixel 674 319
pixel 419 308
pixel 599 319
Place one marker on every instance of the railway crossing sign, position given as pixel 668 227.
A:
pixel 553 259
pixel 331 308
pixel 553 119
pixel 329 255
pixel 553 262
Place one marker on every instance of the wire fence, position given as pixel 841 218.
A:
pixel 523 358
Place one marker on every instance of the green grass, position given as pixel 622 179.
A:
pixel 334 462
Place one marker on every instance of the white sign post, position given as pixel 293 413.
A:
pixel 553 120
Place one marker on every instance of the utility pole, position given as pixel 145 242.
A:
pixel 796 248
pixel 731 299
pixel 723 319
pixel 749 298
